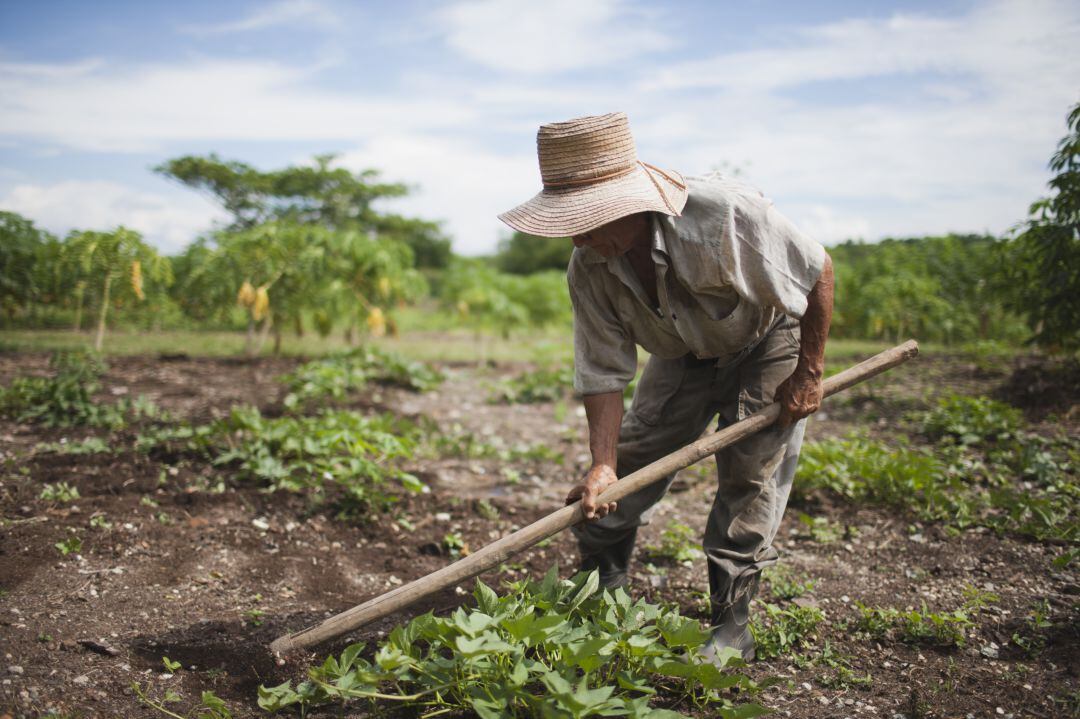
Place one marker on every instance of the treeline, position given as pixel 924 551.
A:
pixel 305 250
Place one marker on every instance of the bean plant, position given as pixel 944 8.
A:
pixel 550 648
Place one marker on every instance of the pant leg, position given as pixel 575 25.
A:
pixel 671 408
pixel 753 476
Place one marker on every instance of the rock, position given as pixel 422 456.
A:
pixel 15 669
pixel 81 680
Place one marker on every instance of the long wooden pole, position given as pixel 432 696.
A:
pixel 498 552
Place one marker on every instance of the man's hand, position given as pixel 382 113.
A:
pixel 595 481
pixel 799 396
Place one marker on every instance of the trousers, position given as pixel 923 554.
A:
pixel 674 402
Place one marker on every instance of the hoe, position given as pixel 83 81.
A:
pixel 499 551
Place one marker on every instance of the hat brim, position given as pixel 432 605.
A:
pixel 569 211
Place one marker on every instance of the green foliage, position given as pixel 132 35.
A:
pixel 947 629
pixel 487 299
pixel 541 385
pixel 339 449
pixel 821 529
pixel 456 442
pixel 59 492
pixel 952 485
pixel 522 254
pixel 783 585
pixel 24 278
pixel 1044 258
pixel 785 630
pixel 969 420
pixel 678 543
pixel 210 706
pixel 545 649
pixel 941 289
pixel 71 545
pixel 64 399
pixel 337 375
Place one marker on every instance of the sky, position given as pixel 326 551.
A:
pixel 859 120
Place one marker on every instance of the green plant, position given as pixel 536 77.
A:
pixel 170 666
pixel 545 649
pixel 783 585
pixel 338 375
pixel 71 545
pixel 678 543
pixel 211 706
pixel 1034 639
pixel 63 399
pixel 455 544
pixel 59 492
pixel 334 449
pixel 969 420
pixel 821 529
pixel 540 385
pixel 785 630
pixel 90 445
pixel 923 626
pixel 98 521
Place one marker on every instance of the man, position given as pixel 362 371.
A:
pixel 733 304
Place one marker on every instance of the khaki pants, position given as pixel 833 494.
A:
pixel 674 403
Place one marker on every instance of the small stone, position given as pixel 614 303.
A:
pixel 989 651
pixel 260 523
pixel 442 516
pixel 15 669
pixel 81 680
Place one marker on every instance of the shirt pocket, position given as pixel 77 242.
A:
pixel 660 381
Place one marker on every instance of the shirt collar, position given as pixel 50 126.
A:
pixel 592 257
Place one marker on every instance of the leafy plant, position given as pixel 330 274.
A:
pixel 678 543
pixel 63 399
pixel 336 376
pixel 969 420
pixel 923 626
pixel 211 706
pixel 59 492
pixel 539 385
pixel 545 649
pixel 785 629
pixel 821 529
pixel 455 544
pixel 172 667
pixel 783 585
pixel 358 455
pixel 71 545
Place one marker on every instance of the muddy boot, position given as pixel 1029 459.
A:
pixel 732 629
pixel 731 624
pixel 612 562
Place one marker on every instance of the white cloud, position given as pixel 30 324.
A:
pixel 827 225
pixel 552 36
pixel 102 107
pixel 167 222
pixel 286 12
pixel 459 183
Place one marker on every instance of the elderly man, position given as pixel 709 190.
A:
pixel 733 304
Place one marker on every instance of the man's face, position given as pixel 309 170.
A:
pixel 616 237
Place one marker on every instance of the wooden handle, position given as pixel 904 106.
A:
pixel 499 551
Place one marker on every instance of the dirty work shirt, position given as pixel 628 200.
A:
pixel 724 270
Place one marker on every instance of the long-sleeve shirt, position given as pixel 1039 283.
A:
pixel 724 269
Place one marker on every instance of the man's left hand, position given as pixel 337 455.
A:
pixel 799 396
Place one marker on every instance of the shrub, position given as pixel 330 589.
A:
pixel 969 421
pixel 65 399
pixel 338 375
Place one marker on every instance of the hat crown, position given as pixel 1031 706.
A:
pixel 585 148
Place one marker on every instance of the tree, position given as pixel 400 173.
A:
pixel 522 254
pixel 108 258
pixel 318 194
pixel 1046 252
pixel 21 246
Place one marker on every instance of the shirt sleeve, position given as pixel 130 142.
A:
pixel 605 357
pixel 766 258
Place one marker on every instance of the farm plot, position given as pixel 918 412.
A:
pixel 150 552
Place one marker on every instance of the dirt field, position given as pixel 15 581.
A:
pixel 208 578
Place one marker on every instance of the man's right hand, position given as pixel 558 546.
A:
pixel 595 481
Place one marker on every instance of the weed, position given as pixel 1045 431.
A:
pixel 455 544
pixel 337 448
pixel 170 666
pixel 541 385
pixel 460 443
pixel 59 492
pixel 821 529
pixel 1034 639
pixel 98 521
pixel 336 376
pixel 678 543
pixel 946 629
pixel 487 510
pixel 968 420
pixel 211 706
pixel 785 630
pixel 254 617
pixel 550 648
pixel 90 445
pixel 783 585
pixel 71 545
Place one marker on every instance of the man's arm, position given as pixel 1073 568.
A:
pixel 604 412
pixel 800 394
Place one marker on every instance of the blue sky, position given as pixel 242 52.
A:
pixel 860 120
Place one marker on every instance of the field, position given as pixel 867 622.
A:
pixel 927 554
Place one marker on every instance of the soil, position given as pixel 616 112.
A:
pixel 208 578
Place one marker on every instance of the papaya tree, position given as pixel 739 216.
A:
pixel 116 265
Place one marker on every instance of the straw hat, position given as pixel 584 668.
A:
pixel 592 176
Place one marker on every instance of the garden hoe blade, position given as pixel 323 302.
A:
pixel 501 550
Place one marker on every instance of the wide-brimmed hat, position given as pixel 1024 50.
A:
pixel 592 176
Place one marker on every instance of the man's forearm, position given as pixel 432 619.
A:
pixel 604 412
pixel 814 325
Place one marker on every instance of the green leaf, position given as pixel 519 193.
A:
pixel 486 599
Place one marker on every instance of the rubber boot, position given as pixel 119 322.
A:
pixel 731 625
pixel 612 562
